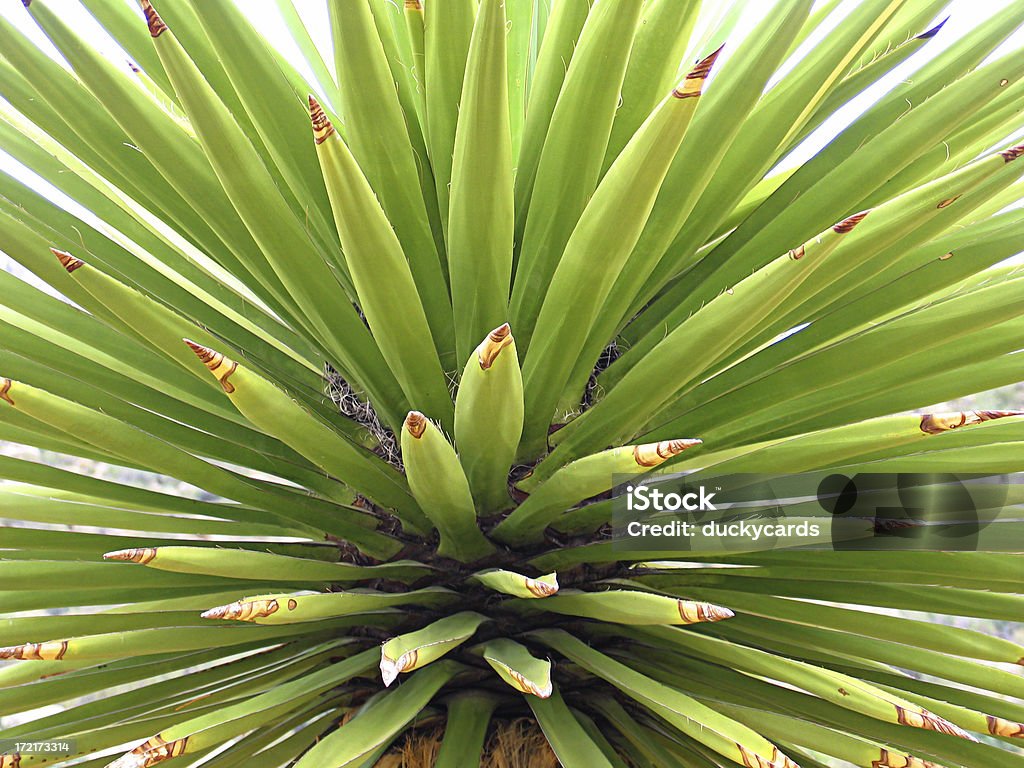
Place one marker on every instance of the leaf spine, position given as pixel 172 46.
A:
pixel 322 126
pixel 52 650
pixel 693 83
pixel 243 610
pixel 695 613
pixel 491 347
pixel 1012 153
pixel 927 35
pixel 221 367
pixel 777 760
pixel 997 726
pixel 141 555
pixel 887 759
pixel 930 722
pixel 69 262
pixel 151 752
pixel 539 588
pixel 415 424
pixel 936 423
pixel 153 20
pixel 391 668
pixel 653 454
pixel 847 224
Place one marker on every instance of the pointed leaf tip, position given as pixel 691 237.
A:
pixel 154 750
pixel 777 759
pixel 1005 728
pixel 322 127
pixel 69 262
pixel 53 650
pixel 491 347
pixel 693 83
pixel 927 35
pixel 936 423
pixel 698 613
pixel 140 555
pixel 542 691
pixel 653 454
pixel 5 388
pixel 1012 153
pixel 416 424
pixel 846 225
pixel 221 367
pixel 541 588
pixel 243 610
pixel 929 721
pixel 391 668
pixel 153 20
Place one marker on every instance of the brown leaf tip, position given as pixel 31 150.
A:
pixel 539 588
pixel 141 555
pixel 322 127
pixel 528 686
pixel 491 347
pixel 696 613
pixel 776 760
pixel 1005 728
pixel 53 650
pixel 413 5
pixel 391 668
pixel 5 388
pixel 243 610
pixel 887 759
pixel 694 80
pixel 415 424
pixel 221 367
pixel 930 722
pixel 151 752
pixel 937 423
pixel 1012 153
pixel 948 202
pixel 653 454
pixel 847 224
pixel 69 262
pixel 798 253
pixel 156 24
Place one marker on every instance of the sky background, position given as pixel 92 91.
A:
pixel 264 14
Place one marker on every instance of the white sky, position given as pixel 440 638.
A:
pixel 963 15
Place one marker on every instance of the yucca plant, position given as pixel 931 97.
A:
pixel 524 249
